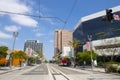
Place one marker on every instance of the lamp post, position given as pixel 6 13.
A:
pixel 90 39
pixel 15 34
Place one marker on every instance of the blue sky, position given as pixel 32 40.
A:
pixel 40 28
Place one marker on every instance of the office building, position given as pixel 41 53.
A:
pixel 105 34
pixel 62 39
pixel 34 45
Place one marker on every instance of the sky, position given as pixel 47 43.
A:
pixel 42 29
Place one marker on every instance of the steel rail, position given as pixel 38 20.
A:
pixel 57 72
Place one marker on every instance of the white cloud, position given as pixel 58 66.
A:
pixel 39 34
pixel 13 6
pixel 18 7
pixel 24 20
pixel 4 35
pixel 12 28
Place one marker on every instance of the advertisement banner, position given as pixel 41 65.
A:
pixel 67 52
pixel 88 46
pixel 29 52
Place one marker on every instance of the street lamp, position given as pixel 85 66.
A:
pixel 90 39
pixel 15 34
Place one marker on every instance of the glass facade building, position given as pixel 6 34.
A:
pixel 96 26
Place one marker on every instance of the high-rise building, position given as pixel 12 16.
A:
pixel 34 45
pixel 62 39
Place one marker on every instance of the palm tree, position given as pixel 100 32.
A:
pixel 39 57
pixel 39 54
pixel 75 44
pixel 56 57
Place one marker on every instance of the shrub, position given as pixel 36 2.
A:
pixel 114 68
pixel 119 70
pixel 110 68
pixel 111 62
pixel 102 64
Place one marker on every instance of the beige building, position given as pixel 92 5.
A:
pixel 61 39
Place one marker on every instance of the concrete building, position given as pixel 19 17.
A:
pixel 105 34
pixel 62 39
pixel 34 45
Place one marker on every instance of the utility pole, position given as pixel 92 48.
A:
pixel 90 40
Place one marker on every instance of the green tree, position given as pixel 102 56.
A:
pixel 46 61
pixel 39 54
pixel 86 56
pixel 20 55
pixel 83 56
pixel 31 60
pixel 75 44
pixel 56 57
pixel 3 51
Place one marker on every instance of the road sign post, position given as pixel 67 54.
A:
pixel 9 52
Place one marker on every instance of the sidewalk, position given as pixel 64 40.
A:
pixel 95 69
pixel 7 69
pixel 4 70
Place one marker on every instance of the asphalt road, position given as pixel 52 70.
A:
pixel 40 70
pixel 68 71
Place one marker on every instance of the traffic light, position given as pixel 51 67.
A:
pixel 109 14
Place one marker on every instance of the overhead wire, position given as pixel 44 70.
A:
pixel 18 13
pixel 37 16
pixel 69 15
pixel 39 7
pixel 33 15
pixel 39 12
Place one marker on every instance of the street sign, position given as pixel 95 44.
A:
pixel 7 57
pixel 9 51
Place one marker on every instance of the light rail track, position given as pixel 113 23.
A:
pixel 57 74
pixel 60 77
